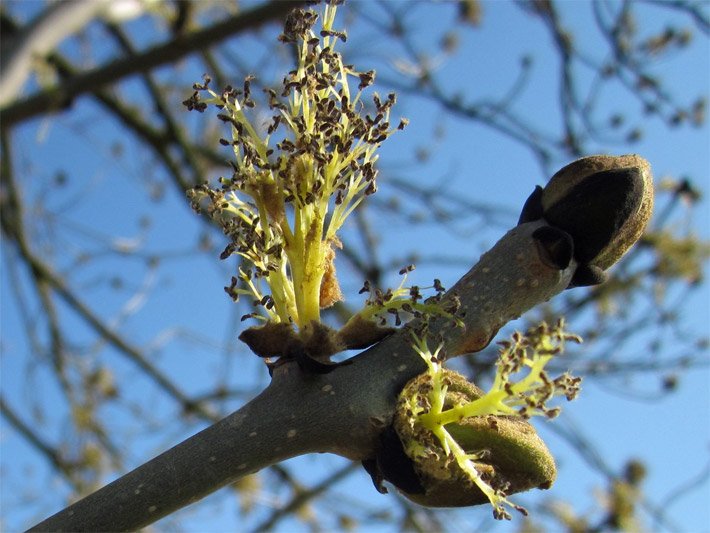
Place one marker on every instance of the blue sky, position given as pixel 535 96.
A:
pixel 189 327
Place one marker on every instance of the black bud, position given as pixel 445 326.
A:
pixel 554 246
pixel 392 464
pixel 594 211
pixel 532 210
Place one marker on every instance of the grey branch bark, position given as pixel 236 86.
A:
pixel 342 412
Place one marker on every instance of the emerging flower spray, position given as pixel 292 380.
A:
pixel 456 434
pixel 282 207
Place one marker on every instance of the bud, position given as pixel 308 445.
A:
pixel 506 451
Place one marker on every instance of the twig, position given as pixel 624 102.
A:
pixel 52 454
pixel 60 96
pixel 12 225
pixel 302 497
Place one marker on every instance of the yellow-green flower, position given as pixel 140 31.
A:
pixel 472 447
pixel 296 181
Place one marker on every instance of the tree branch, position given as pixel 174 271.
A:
pixel 52 454
pixel 342 412
pixel 61 96
pixel 12 224
pixel 40 37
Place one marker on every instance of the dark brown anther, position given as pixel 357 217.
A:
pixel 366 79
pixel 229 250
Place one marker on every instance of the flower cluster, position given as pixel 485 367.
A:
pixel 296 179
pixel 528 396
pixel 443 401
pixel 408 302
